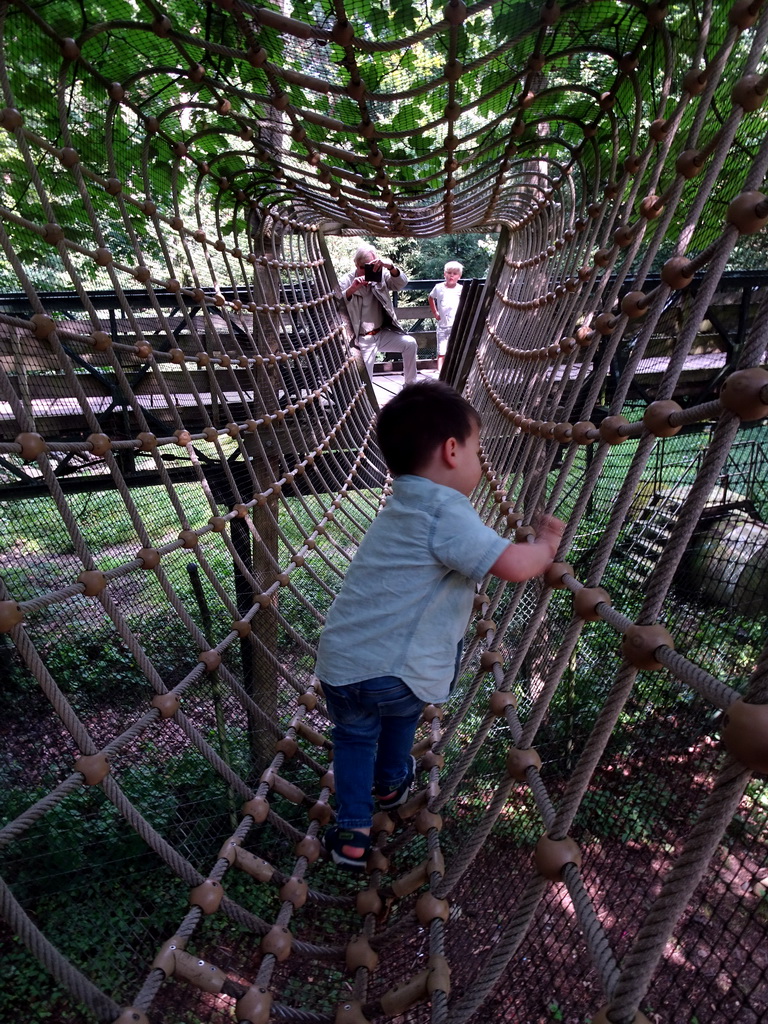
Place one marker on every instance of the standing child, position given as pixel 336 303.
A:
pixel 392 638
pixel 444 301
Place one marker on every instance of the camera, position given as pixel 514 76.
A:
pixel 370 273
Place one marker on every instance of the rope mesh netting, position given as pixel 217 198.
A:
pixel 188 463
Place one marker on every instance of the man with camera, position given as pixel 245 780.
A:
pixel 366 291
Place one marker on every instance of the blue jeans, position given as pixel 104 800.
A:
pixel 374 723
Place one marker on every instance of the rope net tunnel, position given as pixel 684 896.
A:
pixel 188 463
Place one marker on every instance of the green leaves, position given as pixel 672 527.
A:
pixel 493 88
pixel 404 17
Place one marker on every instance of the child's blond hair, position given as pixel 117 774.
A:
pixel 454 265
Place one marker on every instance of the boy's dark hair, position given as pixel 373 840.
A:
pixel 418 420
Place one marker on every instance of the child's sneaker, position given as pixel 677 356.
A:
pixel 400 795
pixel 336 838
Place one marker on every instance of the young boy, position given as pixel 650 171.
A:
pixel 392 638
pixel 444 301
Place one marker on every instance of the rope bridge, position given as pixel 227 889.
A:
pixel 187 464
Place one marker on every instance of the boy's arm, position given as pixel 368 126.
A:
pixel 524 561
pixel 433 307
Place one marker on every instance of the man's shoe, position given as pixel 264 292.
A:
pixel 400 795
pixel 336 838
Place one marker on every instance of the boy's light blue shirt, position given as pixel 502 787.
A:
pixel 407 596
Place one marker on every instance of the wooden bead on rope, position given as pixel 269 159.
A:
pixel 287 747
pixel 425 820
pixel 607 101
pixel 149 557
pixel 377 861
pixel 455 12
pixel 255 1007
pixel 748 212
pixel 382 823
pixel 586 600
pixel 549 13
pixel 93 767
pixel 147 442
pixel 745 734
pixel 256 56
pixel 689 164
pixel 310 848
pixel 656 418
pixel 551 856
pixel 413 805
pixel 368 901
pixel 627 63
pixel 500 701
pixel 584 431
pixel 429 908
pixel 166 703
pixel 294 891
pixel 68 157
pixel 53 233
pixel 70 49
pixel 42 326
pixel 695 82
pixel 257 808
pixel 350 1012
pixel 189 539
pixel 208 896
pixel 321 812
pixel 640 644
pixel 604 323
pixel 278 942
pixel 183 437
pixel 553 575
pixel 10 118
pixel 11 615
pixel 32 445
pixel 634 305
pixel 519 761
pixel 613 429
pixel 359 953
pixel 745 393
pixel 677 272
pixel 211 660
pixel 602 257
pixel 100 443
pixel 432 760
pixel 431 711
pixel 93 582
pixel 601 1017
pixel 488 659
pixel 746 93
pixel 743 14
